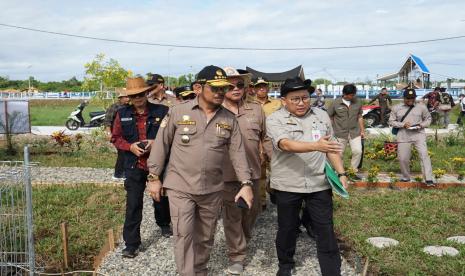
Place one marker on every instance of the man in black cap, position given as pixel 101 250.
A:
pixel 158 95
pixel 302 143
pixel 184 93
pixel 411 120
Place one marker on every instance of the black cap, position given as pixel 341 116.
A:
pixel 259 80
pixel 409 93
pixel 213 76
pixel 294 84
pixel 155 79
pixel 183 91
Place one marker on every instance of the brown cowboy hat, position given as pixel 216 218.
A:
pixel 136 85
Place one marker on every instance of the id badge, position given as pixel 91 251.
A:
pixel 316 134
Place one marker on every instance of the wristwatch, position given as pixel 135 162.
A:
pixel 247 183
pixel 341 174
pixel 152 177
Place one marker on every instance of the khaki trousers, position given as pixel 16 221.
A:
pixel 404 152
pixel 194 219
pixel 238 223
pixel 356 148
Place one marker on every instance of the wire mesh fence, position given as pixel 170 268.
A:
pixel 16 220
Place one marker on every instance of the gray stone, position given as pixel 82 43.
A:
pixel 440 251
pixel 382 242
pixel 458 239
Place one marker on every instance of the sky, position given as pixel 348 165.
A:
pixel 257 24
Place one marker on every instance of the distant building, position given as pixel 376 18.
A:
pixel 412 73
pixel 276 79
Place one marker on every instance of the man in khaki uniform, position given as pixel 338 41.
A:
pixel 261 88
pixel 238 223
pixel 158 95
pixel 412 131
pixel 197 136
pixel 348 125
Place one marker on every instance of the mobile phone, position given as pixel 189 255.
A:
pixel 142 145
pixel 242 204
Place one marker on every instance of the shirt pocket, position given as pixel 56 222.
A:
pixel 253 131
pixel 295 132
pixel 185 134
pixel 222 135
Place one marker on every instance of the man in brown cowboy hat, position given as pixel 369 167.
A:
pixel 197 136
pixel 134 129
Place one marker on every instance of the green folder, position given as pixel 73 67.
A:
pixel 334 181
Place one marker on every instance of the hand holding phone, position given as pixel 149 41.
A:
pixel 241 203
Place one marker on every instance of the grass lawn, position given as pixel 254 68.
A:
pixel 56 112
pixel 415 218
pixel 89 211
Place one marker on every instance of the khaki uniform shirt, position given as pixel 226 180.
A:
pixel 197 149
pixel 418 115
pixel 167 100
pixel 251 119
pixel 298 172
pixel 270 106
pixel 345 118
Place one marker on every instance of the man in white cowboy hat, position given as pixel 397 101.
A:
pixel 197 136
pixel 238 222
pixel 135 128
pixel 123 100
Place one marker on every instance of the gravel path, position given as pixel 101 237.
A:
pixel 156 256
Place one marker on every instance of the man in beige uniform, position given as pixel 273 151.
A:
pixel 412 131
pixel 238 223
pixel 158 95
pixel 261 88
pixel 196 135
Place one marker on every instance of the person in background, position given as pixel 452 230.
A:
pixel 184 93
pixel 301 146
pixel 462 109
pixel 349 128
pixel 320 100
pixel 122 101
pixel 384 101
pixel 411 119
pixel 446 103
pixel 158 95
pixel 134 130
pixel 432 103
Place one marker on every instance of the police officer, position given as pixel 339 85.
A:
pixel 411 120
pixel 238 223
pixel 301 146
pixel 197 135
pixel 158 94
pixel 134 130
pixel 123 100
pixel 184 93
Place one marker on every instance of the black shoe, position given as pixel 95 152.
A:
pixel 404 180
pixel 129 252
pixel 284 271
pixel 429 183
pixel 166 231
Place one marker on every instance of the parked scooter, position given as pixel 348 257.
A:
pixel 76 120
pixel 372 115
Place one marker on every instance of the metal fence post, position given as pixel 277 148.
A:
pixel 30 225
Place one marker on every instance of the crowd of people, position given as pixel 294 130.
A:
pixel 220 146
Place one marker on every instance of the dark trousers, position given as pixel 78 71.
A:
pixel 319 207
pixel 135 186
pixel 119 165
pixel 461 118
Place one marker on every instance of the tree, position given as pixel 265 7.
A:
pixel 321 81
pixel 104 74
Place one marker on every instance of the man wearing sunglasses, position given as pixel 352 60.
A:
pixel 196 137
pixel 158 94
pixel 134 129
pixel 301 145
pixel 238 222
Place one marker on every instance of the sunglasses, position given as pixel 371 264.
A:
pixel 239 85
pixel 219 90
pixel 139 95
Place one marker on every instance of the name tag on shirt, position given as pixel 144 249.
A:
pixel 316 134
pixel 126 119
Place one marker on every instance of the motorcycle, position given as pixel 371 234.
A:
pixel 76 120
pixel 372 115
